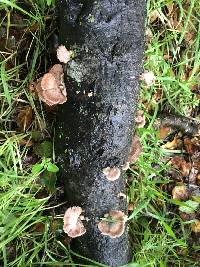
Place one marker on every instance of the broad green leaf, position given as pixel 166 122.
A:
pixel 52 167
pixel 37 168
pixel 44 149
pixel 49 180
pixel 189 206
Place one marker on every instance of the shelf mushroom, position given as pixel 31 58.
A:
pixel 112 174
pixel 73 225
pixel 113 225
pixel 51 88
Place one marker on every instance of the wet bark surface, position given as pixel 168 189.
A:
pixel 95 127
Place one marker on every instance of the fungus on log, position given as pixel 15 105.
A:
pixel 95 126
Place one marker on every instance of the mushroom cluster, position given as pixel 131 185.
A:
pixel 51 88
pixel 73 225
pixel 113 225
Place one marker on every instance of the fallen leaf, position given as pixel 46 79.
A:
pixel 27 143
pixel 180 192
pixel 140 119
pixel 164 132
pixel 170 8
pixel 135 149
pixel 131 206
pixel 196 226
pixel 39 227
pixel 183 166
pixel 174 144
pixel 189 206
pixel 148 35
pixel 198 179
pixel 193 176
pixel 189 146
pixel 158 94
pixel 153 16
pixel 24 118
pixel 187 217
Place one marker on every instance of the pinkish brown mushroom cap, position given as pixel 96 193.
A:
pixel 73 225
pixel 63 54
pixel 113 225
pixel 51 88
pixel 112 174
pixel 57 71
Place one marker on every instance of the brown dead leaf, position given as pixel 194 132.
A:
pixel 174 144
pixel 140 119
pixel 167 57
pixel 31 88
pixel 170 8
pixel 153 16
pixel 187 217
pixel 193 176
pixel 180 192
pixel 158 94
pixel 135 149
pixel 189 36
pixel 24 118
pixel 148 35
pixel 189 146
pixel 130 206
pixel 39 228
pixel 24 142
pixel 182 165
pixel 164 132
pixel 196 226
pixel 198 179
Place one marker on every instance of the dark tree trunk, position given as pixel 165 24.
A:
pixel 96 125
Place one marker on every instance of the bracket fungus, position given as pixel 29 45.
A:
pixel 112 174
pixel 63 55
pixel 113 225
pixel 51 88
pixel 73 225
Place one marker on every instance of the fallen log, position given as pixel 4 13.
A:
pixel 95 127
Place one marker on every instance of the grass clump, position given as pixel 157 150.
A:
pixel 26 228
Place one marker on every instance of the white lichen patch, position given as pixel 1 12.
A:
pixel 76 71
